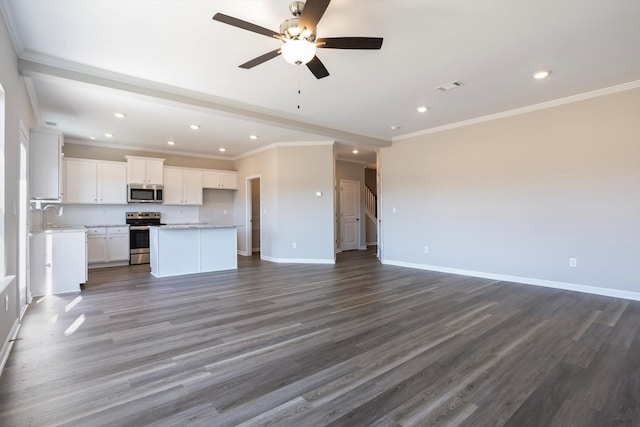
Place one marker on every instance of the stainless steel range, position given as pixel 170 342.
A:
pixel 139 223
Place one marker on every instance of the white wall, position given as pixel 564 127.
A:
pixel 303 217
pixel 263 164
pixel 17 107
pixel 521 195
pixel 217 207
pixel 289 179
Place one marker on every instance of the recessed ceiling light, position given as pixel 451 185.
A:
pixel 171 142
pixel 194 127
pixel 539 75
pixel 222 149
pixel 253 136
pixel 422 109
pixel 355 151
pixel 92 138
pixel 120 115
pixel 109 135
pixel 395 127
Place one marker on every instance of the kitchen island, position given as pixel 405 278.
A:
pixel 192 248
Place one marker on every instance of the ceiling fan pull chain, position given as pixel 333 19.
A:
pixel 299 86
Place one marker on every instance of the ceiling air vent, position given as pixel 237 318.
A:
pixel 448 86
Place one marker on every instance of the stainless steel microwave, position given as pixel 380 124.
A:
pixel 144 193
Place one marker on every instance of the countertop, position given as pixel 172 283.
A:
pixel 195 226
pixel 107 225
pixel 66 229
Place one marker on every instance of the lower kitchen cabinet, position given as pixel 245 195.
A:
pixel 58 261
pixel 107 244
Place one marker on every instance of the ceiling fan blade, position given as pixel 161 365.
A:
pixel 260 59
pixel 311 14
pixel 235 22
pixel 350 43
pixel 317 68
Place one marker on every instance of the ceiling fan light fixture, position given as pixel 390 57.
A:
pixel 297 51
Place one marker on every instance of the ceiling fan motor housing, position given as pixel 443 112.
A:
pixel 289 28
pixel 296 8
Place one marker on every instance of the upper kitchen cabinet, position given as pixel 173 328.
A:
pixel 144 170
pixel 95 182
pixel 220 180
pixel 45 165
pixel 183 186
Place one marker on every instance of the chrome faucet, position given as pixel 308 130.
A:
pixel 44 214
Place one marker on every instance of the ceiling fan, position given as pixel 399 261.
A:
pixel 299 37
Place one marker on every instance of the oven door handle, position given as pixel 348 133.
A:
pixel 139 227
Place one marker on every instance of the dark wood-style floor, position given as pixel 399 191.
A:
pixel 355 344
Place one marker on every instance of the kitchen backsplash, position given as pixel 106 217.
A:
pixel 217 208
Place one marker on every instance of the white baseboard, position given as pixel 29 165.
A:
pixel 8 344
pixel 372 243
pixel 576 287
pixel 108 264
pixel 298 260
pixel 363 248
pixel 244 253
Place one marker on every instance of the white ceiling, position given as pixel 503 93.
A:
pixel 167 64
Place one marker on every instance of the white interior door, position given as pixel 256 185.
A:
pixel 349 215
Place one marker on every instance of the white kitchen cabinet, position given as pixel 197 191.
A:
pixel 118 243
pixel 112 183
pixel 96 245
pixel 95 182
pixel 58 261
pixel 182 186
pixel 107 244
pixel 145 170
pixel 220 180
pixel 45 165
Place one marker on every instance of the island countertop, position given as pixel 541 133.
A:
pixel 192 226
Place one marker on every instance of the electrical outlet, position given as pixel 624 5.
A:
pixel 394 210
pixel 573 262
pixel 426 249
pixel 225 211
pixel 294 245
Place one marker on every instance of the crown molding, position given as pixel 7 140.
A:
pixel 523 110
pixel 72 140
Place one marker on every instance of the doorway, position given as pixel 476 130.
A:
pixel 24 291
pixel 254 224
pixel 349 215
